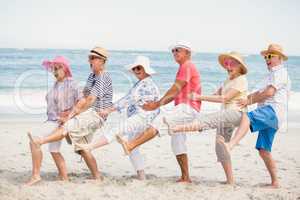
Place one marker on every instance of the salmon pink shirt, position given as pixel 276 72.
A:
pixel 188 72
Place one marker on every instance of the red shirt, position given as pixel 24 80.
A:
pixel 188 72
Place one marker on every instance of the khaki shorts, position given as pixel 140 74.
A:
pixel 82 127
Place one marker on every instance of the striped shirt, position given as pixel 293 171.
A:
pixel 99 86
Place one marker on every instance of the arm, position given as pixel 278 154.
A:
pixel 80 107
pixel 218 92
pixel 172 92
pixel 221 98
pixel 218 98
pixel 168 97
pixel 258 96
pixel 124 102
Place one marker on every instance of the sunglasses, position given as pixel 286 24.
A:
pixel 57 67
pixel 176 50
pixel 93 57
pixel 137 68
pixel 230 63
pixel 269 56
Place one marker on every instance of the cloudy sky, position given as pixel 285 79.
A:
pixel 210 26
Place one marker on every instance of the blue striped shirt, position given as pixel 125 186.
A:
pixel 99 86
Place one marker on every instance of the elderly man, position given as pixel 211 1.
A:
pixel 185 110
pixel 267 118
pixel 83 120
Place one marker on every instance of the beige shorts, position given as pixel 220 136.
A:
pixel 82 127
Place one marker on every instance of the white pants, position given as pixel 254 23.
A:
pixel 45 129
pixel 131 127
pixel 180 114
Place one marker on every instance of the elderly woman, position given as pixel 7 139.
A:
pixel 60 99
pixel 83 120
pixel 234 88
pixel 138 119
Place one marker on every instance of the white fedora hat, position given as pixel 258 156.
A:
pixel 181 44
pixel 141 61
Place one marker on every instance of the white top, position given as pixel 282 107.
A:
pixel 278 78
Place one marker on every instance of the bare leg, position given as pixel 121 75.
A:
pixel 37 156
pixel 61 165
pixel 228 172
pixel 184 167
pixel 189 127
pixel 57 135
pixel 101 142
pixel 91 163
pixel 241 131
pixel 128 146
pixel 271 167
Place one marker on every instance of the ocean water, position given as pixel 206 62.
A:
pixel 24 83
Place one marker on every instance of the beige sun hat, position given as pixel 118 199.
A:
pixel 99 52
pixel 142 61
pixel 236 56
pixel 275 49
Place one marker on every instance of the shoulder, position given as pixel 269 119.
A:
pixel 242 79
pixel 188 64
pixel 73 84
pixel 105 77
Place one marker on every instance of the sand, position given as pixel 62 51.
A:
pixel 162 169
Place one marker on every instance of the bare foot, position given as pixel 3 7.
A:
pixel 141 175
pixel 60 178
pixel 223 148
pixel 96 179
pixel 36 141
pixel 170 131
pixel 33 180
pixel 227 182
pixel 124 144
pixel 184 180
pixel 274 185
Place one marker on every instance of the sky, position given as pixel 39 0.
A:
pixel 210 25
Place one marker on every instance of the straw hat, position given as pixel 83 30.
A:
pixel 48 64
pixel 142 61
pixel 236 56
pixel 275 49
pixel 99 52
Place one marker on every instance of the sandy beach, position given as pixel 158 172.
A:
pixel 162 169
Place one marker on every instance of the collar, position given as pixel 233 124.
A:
pixel 278 67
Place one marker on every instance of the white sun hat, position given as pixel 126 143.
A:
pixel 181 44
pixel 142 61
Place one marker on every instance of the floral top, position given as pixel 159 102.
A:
pixel 143 91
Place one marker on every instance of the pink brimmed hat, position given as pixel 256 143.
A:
pixel 48 64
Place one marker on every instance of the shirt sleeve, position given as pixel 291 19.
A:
pixel 185 72
pixel 279 79
pixel 240 84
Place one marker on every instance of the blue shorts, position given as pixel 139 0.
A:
pixel 264 120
